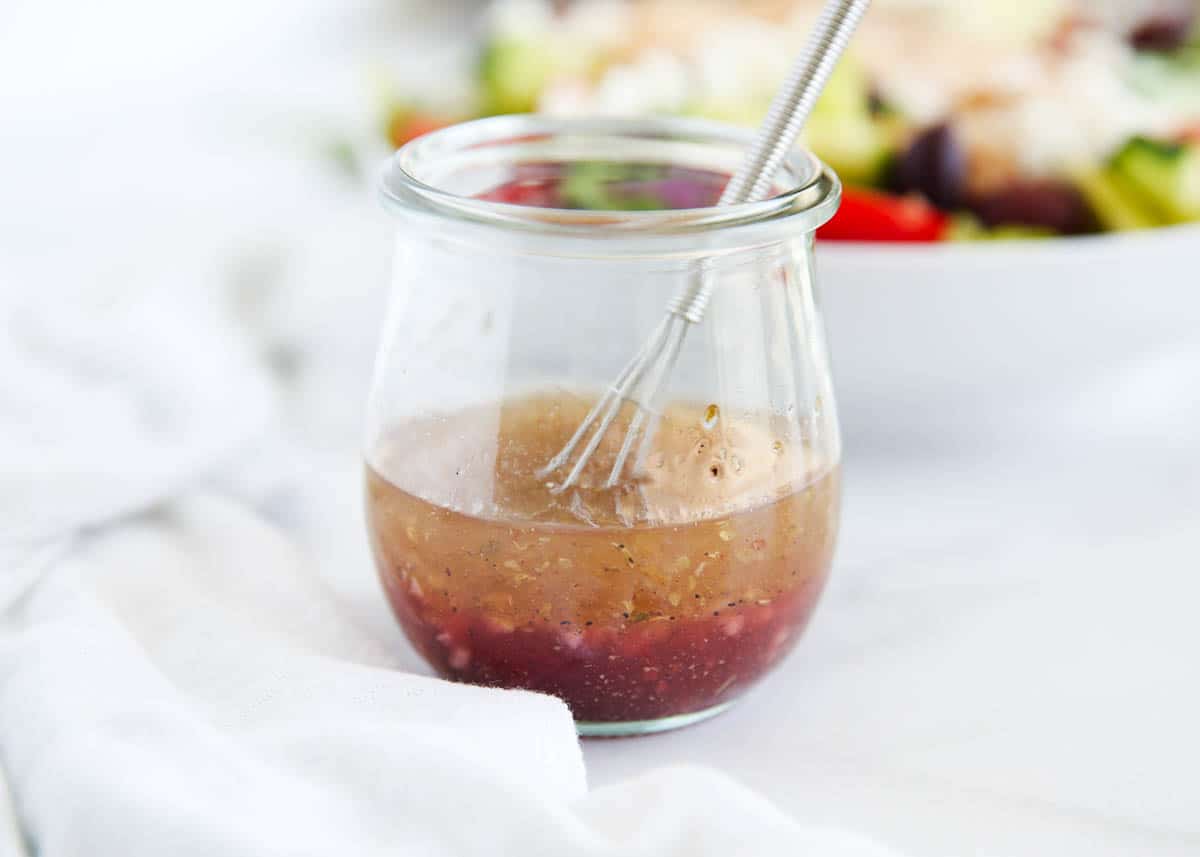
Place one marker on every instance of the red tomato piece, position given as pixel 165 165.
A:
pixel 867 215
pixel 539 193
pixel 411 125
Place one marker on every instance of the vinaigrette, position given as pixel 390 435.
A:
pixel 666 595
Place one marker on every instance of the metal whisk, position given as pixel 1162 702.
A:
pixel 642 378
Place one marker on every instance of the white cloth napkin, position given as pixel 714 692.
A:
pixel 174 679
pixel 10 833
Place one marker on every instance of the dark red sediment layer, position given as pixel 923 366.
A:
pixel 643 669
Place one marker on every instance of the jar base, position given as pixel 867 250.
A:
pixel 630 728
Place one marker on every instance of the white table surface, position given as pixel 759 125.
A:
pixel 1005 662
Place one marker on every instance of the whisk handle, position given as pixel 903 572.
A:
pixel 794 102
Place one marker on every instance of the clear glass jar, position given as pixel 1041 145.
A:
pixel 653 603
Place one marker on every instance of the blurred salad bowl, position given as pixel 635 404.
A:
pixel 947 122
pixel 950 342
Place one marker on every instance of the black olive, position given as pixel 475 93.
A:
pixel 1165 31
pixel 934 165
pixel 1046 204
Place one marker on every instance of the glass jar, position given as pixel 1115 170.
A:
pixel 656 601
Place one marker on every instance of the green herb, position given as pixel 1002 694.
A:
pixel 593 186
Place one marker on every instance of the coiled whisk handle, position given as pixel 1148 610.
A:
pixel 790 109
pixel 793 103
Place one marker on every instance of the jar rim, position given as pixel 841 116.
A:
pixel 810 196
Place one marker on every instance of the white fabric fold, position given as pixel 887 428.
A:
pixel 10 833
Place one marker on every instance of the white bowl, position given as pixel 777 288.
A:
pixel 933 340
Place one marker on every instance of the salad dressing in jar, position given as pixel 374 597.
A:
pixel 524 280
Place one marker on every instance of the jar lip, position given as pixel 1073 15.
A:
pixel 809 200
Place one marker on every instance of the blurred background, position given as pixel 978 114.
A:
pixel 227 150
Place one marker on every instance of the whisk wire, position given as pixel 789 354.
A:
pixel 614 389
pixel 610 406
pixel 674 341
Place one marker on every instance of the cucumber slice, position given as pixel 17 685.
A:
pixel 965 227
pixel 512 74
pixel 848 91
pixel 1117 206
pixel 842 130
pixel 748 112
pixel 1165 175
pixel 858 147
